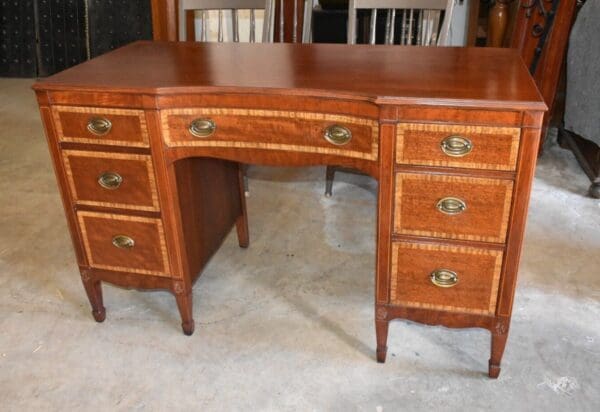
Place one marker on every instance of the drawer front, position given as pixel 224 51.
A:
pixel 115 127
pixel 111 180
pixel 274 130
pixel 456 279
pixel 472 147
pixel 452 207
pixel 124 243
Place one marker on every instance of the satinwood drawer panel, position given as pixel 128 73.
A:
pixel 273 130
pixel 451 278
pixel 116 127
pixel 111 179
pixel 124 243
pixel 452 207
pixel 473 147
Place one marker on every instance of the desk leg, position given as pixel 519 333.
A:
pixel 241 223
pixel 499 336
pixel 381 330
pixel 93 289
pixel 184 303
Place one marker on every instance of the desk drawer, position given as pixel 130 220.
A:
pixel 456 279
pixel 472 147
pixel 116 127
pixel 272 130
pixel 111 180
pixel 124 243
pixel 452 207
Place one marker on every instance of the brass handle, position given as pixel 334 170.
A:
pixel 202 127
pixel 444 278
pixel 110 180
pixel 99 126
pixel 456 146
pixel 123 242
pixel 451 205
pixel 338 135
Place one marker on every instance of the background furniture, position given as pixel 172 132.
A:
pixel 187 9
pixel 420 20
pixel 541 34
pixel 39 38
pixel 137 146
pixel 581 131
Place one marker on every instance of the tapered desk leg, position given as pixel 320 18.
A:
pixel 93 289
pixel 499 337
pixel 184 303
pixel 241 224
pixel 381 331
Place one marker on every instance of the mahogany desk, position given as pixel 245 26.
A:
pixel 146 142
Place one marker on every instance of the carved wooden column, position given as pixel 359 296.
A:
pixel 164 19
pixel 497 23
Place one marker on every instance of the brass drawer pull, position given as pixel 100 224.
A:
pixel 110 180
pixel 202 127
pixel 444 278
pixel 123 242
pixel 99 126
pixel 451 205
pixel 337 135
pixel 456 146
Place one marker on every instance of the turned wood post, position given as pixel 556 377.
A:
pixel 497 23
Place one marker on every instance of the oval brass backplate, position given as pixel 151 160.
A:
pixel 110 180
pixel 456 146
pixel 443 278
pixel 99 126
pixel 123 242
pixel 202 127
pixel 337 135
pixel 451 205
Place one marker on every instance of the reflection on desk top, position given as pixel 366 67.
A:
pixel 481 77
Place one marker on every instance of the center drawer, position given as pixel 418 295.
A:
pixel 116 180
pixel 452 207
pixel 450 278
pixel 306 132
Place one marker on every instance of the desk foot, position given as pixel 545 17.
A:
pixel 493 370
pixel 188 328
pixel 185 306
pixel 241 225
pixel 381 331
pixel 99 315
pixel 499 337
pixel 93 289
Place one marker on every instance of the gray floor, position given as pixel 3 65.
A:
pixel 288 323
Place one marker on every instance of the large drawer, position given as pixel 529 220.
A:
pixel 124 243
pixel 452 207
pixel 114 180
pixel 306 132
pixel 450 278
pixel 472 147
pixel 115 127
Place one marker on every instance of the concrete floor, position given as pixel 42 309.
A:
pixel 288 323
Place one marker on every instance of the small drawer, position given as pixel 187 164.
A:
pixel 124 243
pixel 452 207
pixel 272 130
pixel 472 147
pixel 449 278
pixel 115 127
pixel 113 180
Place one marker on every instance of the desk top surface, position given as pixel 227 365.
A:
pixel 480 77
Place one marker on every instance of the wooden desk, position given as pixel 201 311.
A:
pixel 146 142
